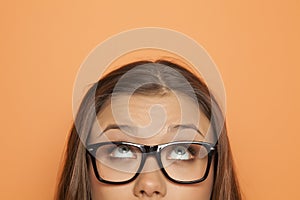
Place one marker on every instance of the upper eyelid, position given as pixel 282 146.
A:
pixel 186 144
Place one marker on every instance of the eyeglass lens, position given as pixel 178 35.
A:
pixel 182 162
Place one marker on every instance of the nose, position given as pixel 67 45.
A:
pixel 150 184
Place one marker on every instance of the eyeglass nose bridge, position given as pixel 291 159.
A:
pixel 152 151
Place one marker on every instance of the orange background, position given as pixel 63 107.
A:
pixel 255 45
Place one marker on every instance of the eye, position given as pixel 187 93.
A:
pixel 122 151
pixel 180 152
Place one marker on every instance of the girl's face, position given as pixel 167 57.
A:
pixel 153 120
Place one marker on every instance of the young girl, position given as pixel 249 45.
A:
pixel 148 139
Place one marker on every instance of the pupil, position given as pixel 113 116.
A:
pixel 180 151
pixel 123 149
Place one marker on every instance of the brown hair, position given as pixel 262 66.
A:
pixel 74 181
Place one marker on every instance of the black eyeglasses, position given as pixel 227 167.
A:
pixel 121 162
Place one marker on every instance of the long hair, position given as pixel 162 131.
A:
pixel 74 183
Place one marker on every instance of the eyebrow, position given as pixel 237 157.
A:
pixel 134 129
pixel 119 127
pixel 187 126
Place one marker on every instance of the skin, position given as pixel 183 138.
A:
pixel 151 183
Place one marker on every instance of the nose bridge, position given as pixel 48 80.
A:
pixel 151 181
pixel 151 162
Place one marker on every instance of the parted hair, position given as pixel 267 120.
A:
pixel 73 182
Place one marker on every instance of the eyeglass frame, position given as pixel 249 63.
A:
pixel 146 151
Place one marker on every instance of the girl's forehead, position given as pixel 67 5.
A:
pixel 141 110
pixel 156 116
